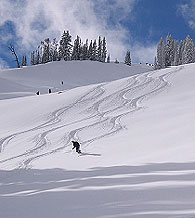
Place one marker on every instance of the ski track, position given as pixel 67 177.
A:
pixel 99 106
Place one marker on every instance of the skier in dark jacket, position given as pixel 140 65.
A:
pixel 77 146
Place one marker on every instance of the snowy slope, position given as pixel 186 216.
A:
pixel 136 135
pixel 28 80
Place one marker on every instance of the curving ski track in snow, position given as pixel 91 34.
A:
pixel 100 107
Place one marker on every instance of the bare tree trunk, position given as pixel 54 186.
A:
pixel 11 48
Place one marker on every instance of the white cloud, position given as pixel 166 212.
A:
pixel 3 64
pixel 143 53
pixel 188 12
pixel 36 20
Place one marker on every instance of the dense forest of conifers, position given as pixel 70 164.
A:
pixel 173 53
pixel 169 52
pixel 63 49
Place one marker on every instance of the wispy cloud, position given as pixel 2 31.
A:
pixel 3 64
pixel 143 53
pixel 36 20
pixel 188 12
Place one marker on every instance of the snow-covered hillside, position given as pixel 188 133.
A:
pixel 28 80
pixel 136 134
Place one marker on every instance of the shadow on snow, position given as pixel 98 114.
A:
pixel 152 190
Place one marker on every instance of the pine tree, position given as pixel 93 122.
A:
pixel 108 59
pixel 65 46
pixel 24 60
pixel 104 50
pixel 155 63
pixel 176 53
pixel 188 51
pixel 181 47
pixel 128 58
pixel 161 54
pixel 90 52
pixel 37 56
pixel 46 51
pixel 116 61
pixel 76 49
pixel 99 50
pixel 12 49
pixel 85 50
pixel 94 51
pixel 32 58
pixel 169 51
pixel 54 50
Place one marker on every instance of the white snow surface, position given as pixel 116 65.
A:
pixel 135 127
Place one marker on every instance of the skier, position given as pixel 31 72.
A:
pixel 77 146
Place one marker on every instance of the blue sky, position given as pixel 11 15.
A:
pixel 127 24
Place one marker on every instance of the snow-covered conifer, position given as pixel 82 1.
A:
pixel 76 49
pixel 104 50
pixel 90 52
pixel 116 61
pixel 94 51
pixel 37 56
pixel 24 61
pixel 181 47
pixel 99 50
pixel 161 54
pixel 85 50
pixel 108 59
pixel 54 50
pixel 65 46
pixel 176 53
pixel 155 63
pixel 188 51
pixel 46 52
pixel 169 51
pixel 32 58
pixel 128 58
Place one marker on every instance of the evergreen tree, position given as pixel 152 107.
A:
pixel 169 51
pixel 37 56
pixel 161 54
pixel 108 59
pixel 155 63
pixel 24 60
pixel 99 50
pixel 188 51
pixel 128 58
pixel 90 52
pixel 32 58
pixel 54 50
pixel 12 49
pixel 65 46
pixel 176 53
pixel 81 57
pixel 116 61
pixel 181 47
pixel 104 50
pixel 94 51
pixel 46 51
pixel 85 50
pixel 76 53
